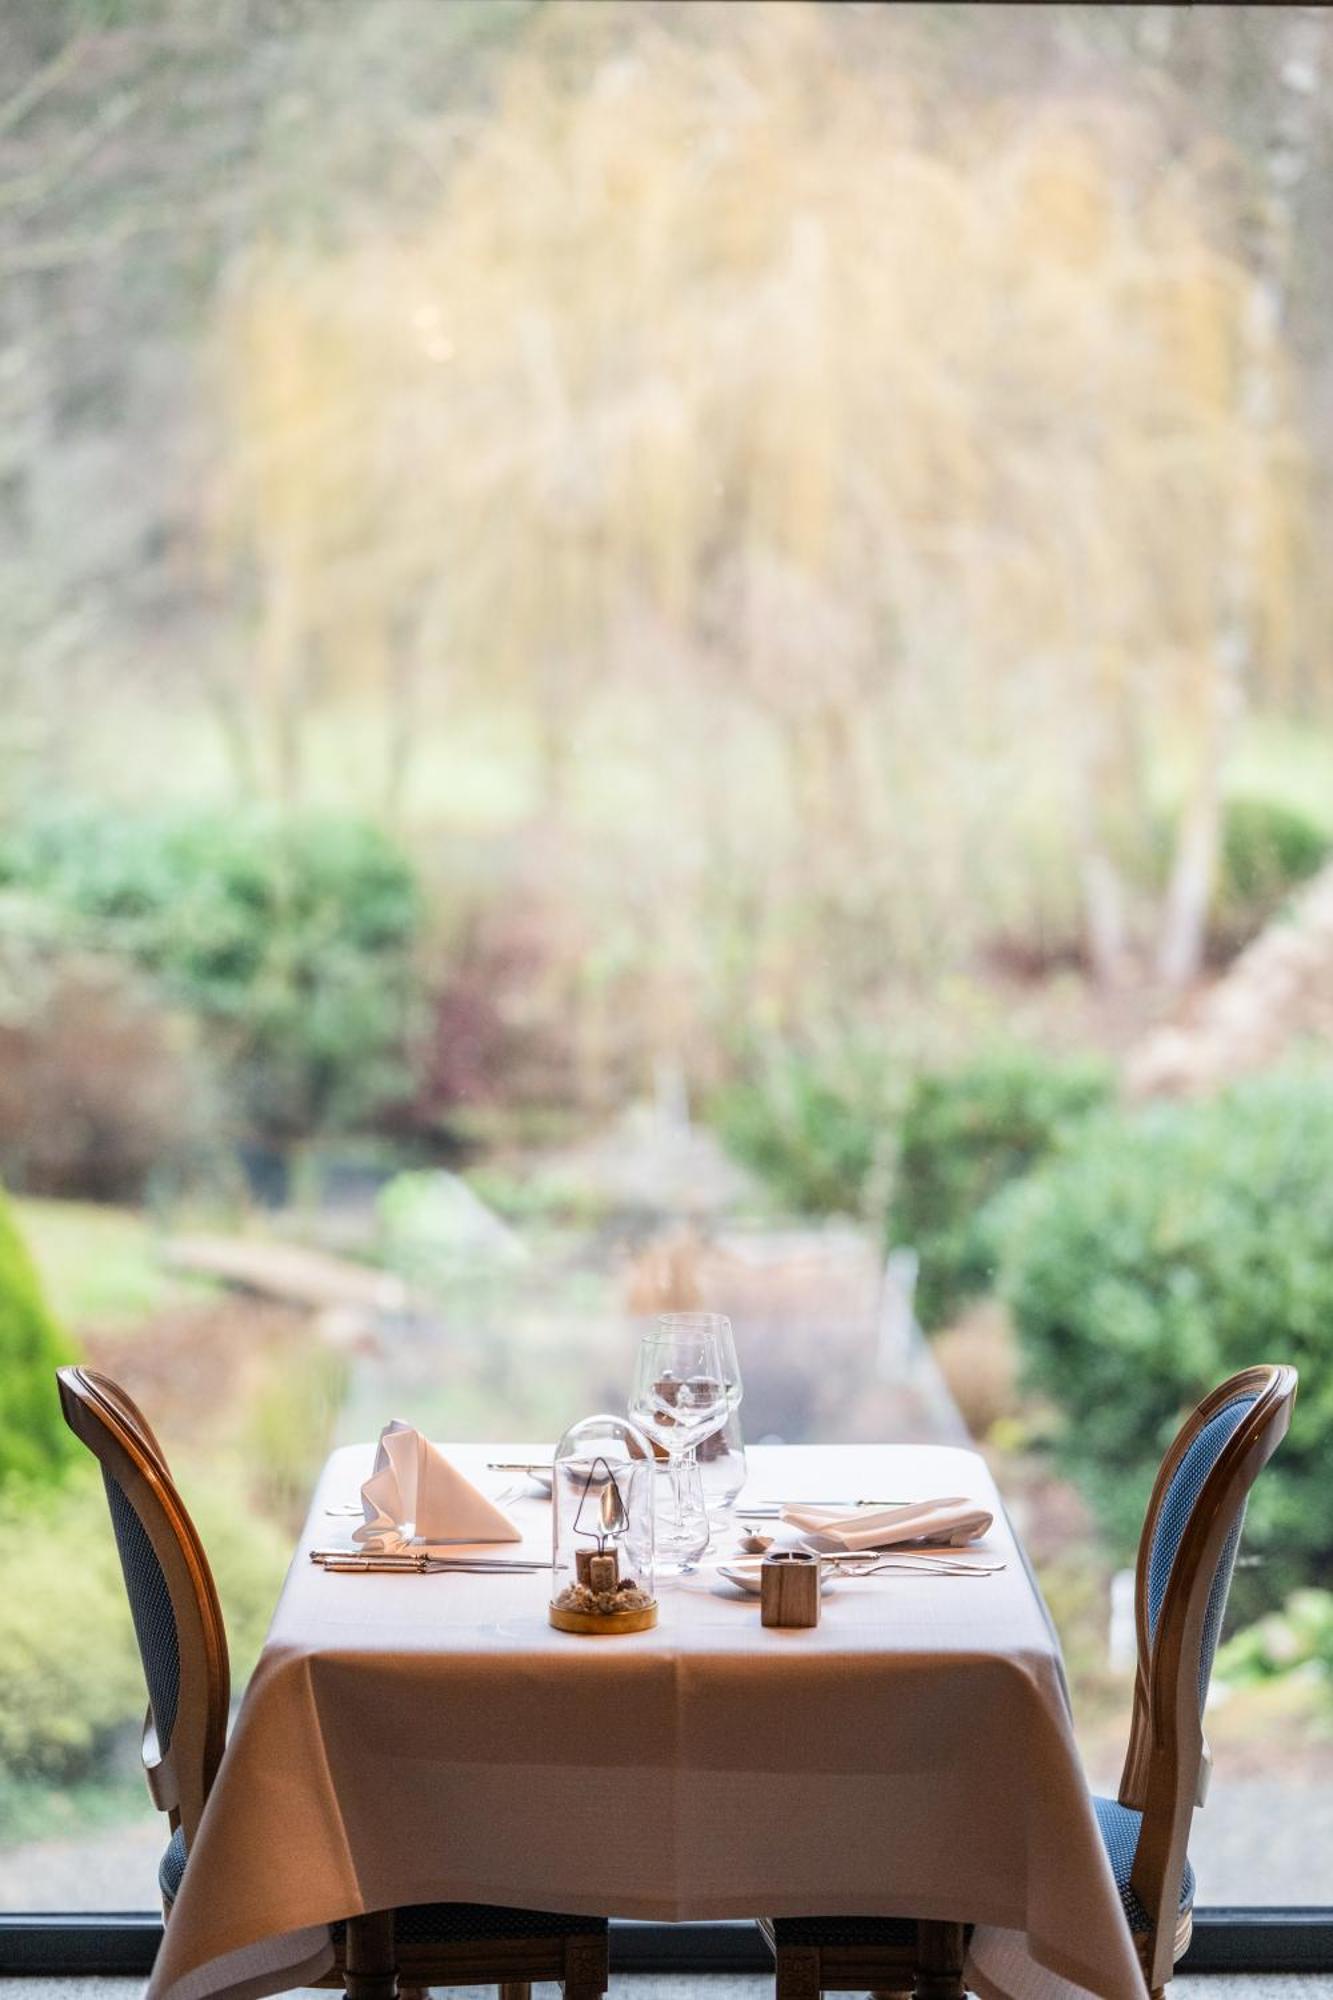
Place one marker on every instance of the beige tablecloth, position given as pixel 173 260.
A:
pixel 430 1738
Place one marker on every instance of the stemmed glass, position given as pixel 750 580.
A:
pixel 722 1456
pixel 680 1397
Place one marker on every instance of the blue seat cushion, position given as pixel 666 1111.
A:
pixel 1119 1827
pixel 430 1923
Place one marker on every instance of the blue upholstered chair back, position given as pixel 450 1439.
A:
pixel 1181 1497
pixel 172 1599
pixel 1186 1559
pixel 155 1625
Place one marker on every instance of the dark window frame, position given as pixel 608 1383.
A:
pixel 85 1945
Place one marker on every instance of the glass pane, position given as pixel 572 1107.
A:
pixel 663 659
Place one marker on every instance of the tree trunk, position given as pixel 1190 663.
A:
pixel 1184 931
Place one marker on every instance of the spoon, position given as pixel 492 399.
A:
pixel 755 1544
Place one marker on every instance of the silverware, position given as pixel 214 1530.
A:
pixel 771 1510
pixel 540 1472
pixel 877 1565
pixel 420 1558
pixel 346 1507
pixel 427 1566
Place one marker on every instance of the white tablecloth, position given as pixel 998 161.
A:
pixel 410 1739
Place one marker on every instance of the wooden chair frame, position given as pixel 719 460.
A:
pixel 1166 1764
pixel 1167 1761
pixel 368 1962
pixel 180 1774
pixel 928 1968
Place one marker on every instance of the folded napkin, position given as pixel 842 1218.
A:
pixel 952 1522
pixel 414 1494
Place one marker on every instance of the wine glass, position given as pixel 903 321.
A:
pixel 680 1398
pixel 721 1457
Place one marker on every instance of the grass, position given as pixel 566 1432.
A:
pixel 35 1809
pixel 99 1265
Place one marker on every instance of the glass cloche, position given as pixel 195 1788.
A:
pixel 602 1516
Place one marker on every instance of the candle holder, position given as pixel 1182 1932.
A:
pixel 603 1579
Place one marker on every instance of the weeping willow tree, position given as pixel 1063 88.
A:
pixel 734 372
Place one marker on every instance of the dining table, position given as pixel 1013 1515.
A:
pixel 419 1738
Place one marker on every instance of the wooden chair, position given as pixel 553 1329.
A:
pixel 1187 1552
pixel 183 1647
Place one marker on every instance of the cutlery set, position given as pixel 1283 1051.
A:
pixel 422 1562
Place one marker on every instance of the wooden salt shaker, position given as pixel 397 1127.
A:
pixel 789 1588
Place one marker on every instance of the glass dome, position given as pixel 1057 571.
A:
pixel 602 1514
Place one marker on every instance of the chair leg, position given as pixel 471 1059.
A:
pixel 587 1970
pixel 516 1989
pixel 370 1970
pixel 939 1962
pixel 796 1972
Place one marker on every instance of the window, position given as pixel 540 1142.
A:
pixel 664 656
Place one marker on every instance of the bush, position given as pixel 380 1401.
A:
pixel 34 1442
pixel 966 1133
pixel 290 939
pixel 1297 1640
pixel 1268 849
pixel 817 1127
pixel 1163 1251
pixel 97 1085
pixel 70 1679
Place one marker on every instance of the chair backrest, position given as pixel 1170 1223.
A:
pixel 173 1602
pixel 1186 1556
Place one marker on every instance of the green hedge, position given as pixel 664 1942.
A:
pixel 70 1679
pixel 1163 1251
pixel 817 1125
pixel 35 1443
pixel 1268 849
pixel 965 1134
pixel 290 938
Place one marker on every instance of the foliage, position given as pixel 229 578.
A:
pixel 966 1133
pixel 34 1441
pixel 290 1426
pixel 817 1125
pixel 70 1679
pixel 1268 849
pixel 100 1092
pixel 554 454
pixel 101 1266
pixel 1298 1639
pixel 1159 1253
pixel 290 938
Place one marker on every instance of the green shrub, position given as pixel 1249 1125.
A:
pixel 817 1126
pixel 70 1679
pixel 1297 1640
pixel 1161 1252
pixel 966 1133
pixel 34 1441
pixel 1268 849
pixel 290 939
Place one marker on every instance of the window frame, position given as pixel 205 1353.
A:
pixel 124 1944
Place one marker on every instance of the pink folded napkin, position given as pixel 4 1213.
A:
pixel 415 1495
pixel 952 1522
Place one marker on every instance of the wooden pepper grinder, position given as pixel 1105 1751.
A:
pixel 789 1588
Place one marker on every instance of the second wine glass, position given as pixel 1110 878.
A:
pixel 680 1397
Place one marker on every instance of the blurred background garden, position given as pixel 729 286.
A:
pixel 657 655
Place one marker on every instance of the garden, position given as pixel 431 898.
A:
pixel 575 742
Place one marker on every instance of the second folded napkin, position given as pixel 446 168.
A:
pixel 414 1494
pixel 953 1522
